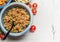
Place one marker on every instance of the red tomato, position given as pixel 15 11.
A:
pixel 34 5
pixel 33 28
pixel 1 36
pixel 34 11
pixel 29 5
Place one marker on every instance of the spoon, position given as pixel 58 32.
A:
pixel 9 31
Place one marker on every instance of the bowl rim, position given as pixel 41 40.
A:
pixel 21 33
pixel 6 4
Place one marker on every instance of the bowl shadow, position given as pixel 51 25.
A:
pixel 18 38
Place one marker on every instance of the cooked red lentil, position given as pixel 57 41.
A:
pixel 3 2
pixel 20 17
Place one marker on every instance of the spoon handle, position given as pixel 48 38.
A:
pixel 7 34
pixel 8 31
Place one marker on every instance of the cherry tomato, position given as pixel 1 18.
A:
pixel 34 11
pixel 33 28
pixel 34 5
pixel 1 36
pixel 29 5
